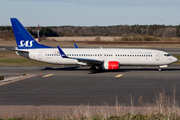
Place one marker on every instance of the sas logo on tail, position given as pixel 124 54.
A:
pixel 26 43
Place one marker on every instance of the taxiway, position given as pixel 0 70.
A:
pixel 57 85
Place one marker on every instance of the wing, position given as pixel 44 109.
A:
pixel 84 60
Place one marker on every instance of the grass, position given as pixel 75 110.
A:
pixel 147 38
pixel 164 108
pixel 9 58
pixel 19 61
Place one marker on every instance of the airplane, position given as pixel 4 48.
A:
pixel 104 58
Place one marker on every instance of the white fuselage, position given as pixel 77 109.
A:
pixel 123 56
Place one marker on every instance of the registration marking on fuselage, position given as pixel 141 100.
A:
pixel 119 75
pixel 48 75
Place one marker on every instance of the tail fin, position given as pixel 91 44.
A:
pixel 23 39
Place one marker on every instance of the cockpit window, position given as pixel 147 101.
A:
pixel 167 55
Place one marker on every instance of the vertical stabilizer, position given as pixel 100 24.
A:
pixel 23 39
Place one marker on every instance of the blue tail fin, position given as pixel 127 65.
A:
pixel 23 39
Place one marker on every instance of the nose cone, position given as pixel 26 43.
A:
pixel 174 59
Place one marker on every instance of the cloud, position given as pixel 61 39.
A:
pixel 122 17
pixel 155 18
pixel 122 2
pixel 113 2
pixel 162 19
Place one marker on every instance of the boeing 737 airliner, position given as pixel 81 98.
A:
pixel 106 59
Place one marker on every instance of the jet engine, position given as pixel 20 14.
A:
pixel 110 65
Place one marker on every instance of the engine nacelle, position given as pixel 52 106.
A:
pixel 110 65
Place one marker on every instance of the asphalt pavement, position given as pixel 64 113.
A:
pixel 71 85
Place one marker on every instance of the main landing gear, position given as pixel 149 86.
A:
pixel 93 69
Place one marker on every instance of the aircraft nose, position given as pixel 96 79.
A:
pixel 175 59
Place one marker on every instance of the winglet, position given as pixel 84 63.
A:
pixel 61 52
pixel 75 45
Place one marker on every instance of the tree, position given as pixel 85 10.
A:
pixel 48 32
pixel 177 32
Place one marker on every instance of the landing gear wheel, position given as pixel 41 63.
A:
pixel 93 69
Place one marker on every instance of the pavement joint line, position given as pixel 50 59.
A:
pixel 48 75
pixel 119 75
pixel 5 80
pixel 10 80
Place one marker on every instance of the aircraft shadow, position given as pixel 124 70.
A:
pixel 136 69
pixel 65 68
pixel 76 68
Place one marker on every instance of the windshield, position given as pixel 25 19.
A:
pixel 167 55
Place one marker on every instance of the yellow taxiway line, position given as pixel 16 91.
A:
pixel 48 75
pixel 119 75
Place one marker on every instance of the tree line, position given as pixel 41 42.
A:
pixel 119 30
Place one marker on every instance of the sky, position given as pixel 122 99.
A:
pixel 90 12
